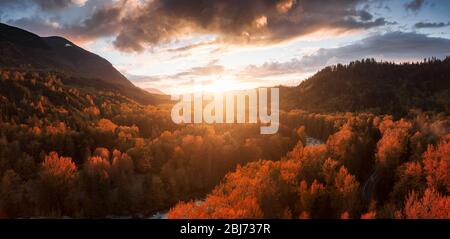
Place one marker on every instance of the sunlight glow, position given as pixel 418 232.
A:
pixel 221 85
pixel 218 84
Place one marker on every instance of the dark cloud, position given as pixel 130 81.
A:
pixel 137 26
pixel 394 46
pixel 365 15
pixel 414 5
pixel 431 24
pixel 240 22
pixel 105 21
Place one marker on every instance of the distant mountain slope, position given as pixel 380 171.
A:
pixel 367 85
pixel 22 49
pixel 154 91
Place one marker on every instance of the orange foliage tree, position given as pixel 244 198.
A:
pixel 432 205
pixel 437 166
pixel 58 176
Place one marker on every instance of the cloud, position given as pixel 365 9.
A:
pixel 43 4
pixel 393 46
pixel 191 46
pixel 431 24
pixel 143 79
pixel 105 21
pixel 37 24
pixel 389 46
pixel 414 5
pixel 240 22
pixel 275 68
pixel 210 69
pixel 136 25
pixel 185 77
pixel 58 4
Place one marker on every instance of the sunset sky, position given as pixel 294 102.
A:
pixel 180 46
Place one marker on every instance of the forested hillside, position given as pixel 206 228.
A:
pixel 377 87
pixel 20 49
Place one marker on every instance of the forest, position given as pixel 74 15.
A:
pixel 372 167
pixel 72 149
pixel 377 87
pixel 75 151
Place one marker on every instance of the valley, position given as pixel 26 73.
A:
pixel 363 140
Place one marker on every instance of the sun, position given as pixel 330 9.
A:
pixel 214 84
pixel 223 85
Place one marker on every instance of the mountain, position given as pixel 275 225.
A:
pixel 377 87
pixel 24 50
pixel 144 78
pixel 154 91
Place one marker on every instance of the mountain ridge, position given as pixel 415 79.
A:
pixel 25 50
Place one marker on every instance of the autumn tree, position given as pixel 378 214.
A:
pixel 432 205
pixel 391 152
pixel 353 145
pixel 391 148
pixel 58 177
pixel 410 177
pixel 346 195
pixel 437 166
pixel 313 201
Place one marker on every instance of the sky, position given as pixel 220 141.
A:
pixel 180 46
